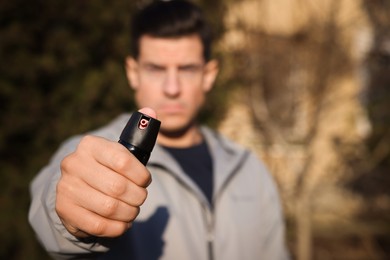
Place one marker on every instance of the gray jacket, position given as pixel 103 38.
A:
pixel 176 221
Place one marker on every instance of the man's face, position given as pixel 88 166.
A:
pixel 172 77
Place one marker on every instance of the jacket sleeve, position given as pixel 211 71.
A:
pixel 44 219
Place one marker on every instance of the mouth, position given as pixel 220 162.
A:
pixel 172 108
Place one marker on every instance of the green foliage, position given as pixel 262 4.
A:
pixel 61 73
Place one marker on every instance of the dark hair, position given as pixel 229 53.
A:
pixel 170 19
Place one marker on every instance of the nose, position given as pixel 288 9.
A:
pixel 172 83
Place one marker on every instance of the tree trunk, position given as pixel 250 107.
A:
pixel 303 231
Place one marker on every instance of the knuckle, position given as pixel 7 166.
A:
pixel 140 197
pixel 122 228
pixel 98 228
pixel 121 162
pixel 110 206
pixel 86 140
pixel 60 189
pixel 69 163
pixel 104 228
pixel 117 188
pixel 63 188
pixel 62 210
pixel 62 200
pixel 66 163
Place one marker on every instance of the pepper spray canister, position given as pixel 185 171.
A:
pixel 139 135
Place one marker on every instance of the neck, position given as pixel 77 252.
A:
pixel 181 139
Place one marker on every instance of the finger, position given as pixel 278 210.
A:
pixel 83 195
pixel 148 111
pixel 116 157
pixel 108 207
pixel 114 185
pixel 81 222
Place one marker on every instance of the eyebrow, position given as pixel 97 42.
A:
pixel 183 66
pixel 191 66
pixel 154 65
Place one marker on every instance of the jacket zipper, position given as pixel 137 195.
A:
pixel 210 243
pixel 209 218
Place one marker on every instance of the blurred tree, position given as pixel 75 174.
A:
pixel 297 65
pixel 371 178
pixel 288 109
pixel 376 97
pixel 369 164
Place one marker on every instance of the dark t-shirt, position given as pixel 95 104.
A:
pixel 196 162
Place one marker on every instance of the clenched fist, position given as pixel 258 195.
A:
pixel 101 188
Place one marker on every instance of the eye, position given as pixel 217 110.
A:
pixel 191 68
pixel 154 68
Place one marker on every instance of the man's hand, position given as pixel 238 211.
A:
pixel 101 188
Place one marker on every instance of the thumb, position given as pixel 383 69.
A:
pixel 148 111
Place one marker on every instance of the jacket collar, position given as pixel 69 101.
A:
pixel 227 158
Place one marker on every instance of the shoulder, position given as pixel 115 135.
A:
pixel 216 140
pixel 221 144
pixel 232 149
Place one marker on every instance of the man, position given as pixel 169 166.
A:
pixel 209 198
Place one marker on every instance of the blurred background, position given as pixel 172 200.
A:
pixel 306 81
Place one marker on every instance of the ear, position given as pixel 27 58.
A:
pixel 131 67
pixel 210 74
